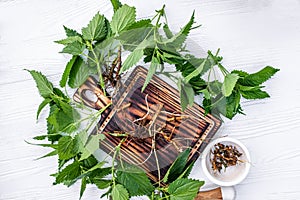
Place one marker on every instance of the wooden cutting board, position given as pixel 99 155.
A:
pixel 151 120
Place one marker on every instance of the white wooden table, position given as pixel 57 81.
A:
pixel 251 35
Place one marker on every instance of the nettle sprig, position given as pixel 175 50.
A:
pixel 98 51
pixel 99 48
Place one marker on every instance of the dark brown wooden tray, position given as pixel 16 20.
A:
pixel 152 121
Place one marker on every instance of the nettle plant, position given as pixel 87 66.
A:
pixel 98 51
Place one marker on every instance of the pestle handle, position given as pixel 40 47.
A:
pixel 214 194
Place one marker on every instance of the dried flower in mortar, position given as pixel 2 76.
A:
pixel 224 155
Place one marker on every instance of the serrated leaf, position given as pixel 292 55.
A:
pixel 177 167
pixel 137 38
pixel 137 183
pixel 132 59
pixel 229 83
pixel 78 74
pixel 44 86
pixel 240 73
pixel 184 189
pixel 75 48
pixel 59 93
pixel 259 77
pixel 186 96
pixel 83 187
pixel 215 87
pixel 71 32
pixel 178 39
pixel 69 40
pixel 96 29
pixel 63 121
pixel 167 31
pixel 152 69
pixel 88 172
pixel 100 173
pixel 187 171
pixel 232 104
pixel 54 146
pixel 42 105
pixel 82 137
pixel 116 4
pixel 67 71
pixel 119 193
pixel 68 174
pixel 52 153
pixel 122 18
pixel 92 145
pixel 42 137
pixel 196 72
pixel 102 183
pixel 68 147
pixel 143 23
pixel 254 94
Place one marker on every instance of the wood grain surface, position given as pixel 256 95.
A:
pixel 150 118
pixel 251 35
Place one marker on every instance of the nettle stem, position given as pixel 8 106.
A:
pixel 117 150
pixel 96 60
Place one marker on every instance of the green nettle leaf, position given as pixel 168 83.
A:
pixel 196 72
pixel 82 138
pixel 259 77
pixel 123 18
pixel 254 94
pixel 229 83
pixel 214 87
pixel 240 73
pixel 152 69
pixel 62 121
pixel 96 29
pixel 75 48
pixel 178 39
pixel 69 40
pixel 78 74
pixel 177 167
pixel 52 153
pixel 186 95
pixel 187 171
pixel 69 174
pixel 67 71
pixel 91 170
pixel 68 147
pixel 71 32
pixel 116 4
pixel 92 145
pixel 248 88
pixel 102 183
pixel 44 86
pixel 232 106
pixel 54 146
pixel 119 193
pixel 184 189
pixel 59 93
pixel 42 105
pixel 83 186
pixel 143 23
pixel 137 183
pixel 132 59
pixel 167 31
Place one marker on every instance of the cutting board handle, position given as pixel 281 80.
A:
pixel 214 194
pixel 91 95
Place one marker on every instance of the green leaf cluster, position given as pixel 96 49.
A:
pixel 224 97
pixel 72 147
